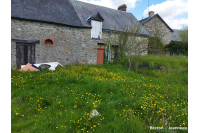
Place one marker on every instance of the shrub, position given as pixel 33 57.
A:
pixel 177 48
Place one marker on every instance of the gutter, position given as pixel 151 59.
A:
pixel 109 48
pixel 45 21
pixel 108 43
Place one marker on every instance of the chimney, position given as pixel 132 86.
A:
pixel 151 13
pixel 122 7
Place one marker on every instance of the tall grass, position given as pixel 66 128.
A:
pixel 63 100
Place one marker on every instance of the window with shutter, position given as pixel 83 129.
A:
pixel 96 31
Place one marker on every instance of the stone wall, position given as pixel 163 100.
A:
pixel 163 29
pixel 72 45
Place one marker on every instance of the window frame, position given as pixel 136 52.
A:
pixel 48 44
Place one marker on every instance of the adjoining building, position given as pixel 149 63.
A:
pixel 154 23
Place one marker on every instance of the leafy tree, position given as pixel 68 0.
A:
pixel 179 47
pixel 183 34
pixel 130 42
pixel 155 45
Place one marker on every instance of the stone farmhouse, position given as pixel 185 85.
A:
pixel 64 31
pixel 154 23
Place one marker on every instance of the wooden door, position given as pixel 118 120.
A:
pixel 100 57
pixel 25 53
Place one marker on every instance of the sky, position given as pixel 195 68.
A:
pixel 174 12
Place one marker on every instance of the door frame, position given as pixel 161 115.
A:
pixel 25 52
pixel 25 43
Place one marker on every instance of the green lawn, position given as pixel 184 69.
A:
pixel 62 101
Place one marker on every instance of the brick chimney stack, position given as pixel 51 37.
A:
pixel 151 13
pixel 122 7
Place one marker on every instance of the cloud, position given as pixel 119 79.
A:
pixel 170 11
pixel 114 4
pixel 177 23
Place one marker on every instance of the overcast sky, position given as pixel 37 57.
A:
pixel 174 12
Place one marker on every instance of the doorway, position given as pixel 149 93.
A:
pixel 100 53
pixel 25 53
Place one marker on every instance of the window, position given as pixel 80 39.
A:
pixel 96 22
pixel 48 42
pixel 96 31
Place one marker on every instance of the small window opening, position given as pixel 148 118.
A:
pixel 48 42
pixel 100 46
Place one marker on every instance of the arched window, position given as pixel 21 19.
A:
pixel 48 42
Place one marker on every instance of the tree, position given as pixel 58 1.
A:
pixel 179 47
pixel 130 42
pixel 155 45
pixel 183 34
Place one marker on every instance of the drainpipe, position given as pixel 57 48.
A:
pixel 109 48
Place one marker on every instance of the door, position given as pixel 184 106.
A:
pixel 114 52
pixel 25 53
pixel 100 57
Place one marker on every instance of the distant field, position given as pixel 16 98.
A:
pixel 62 101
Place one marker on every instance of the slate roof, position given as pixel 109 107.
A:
pixel 112 18
pixel 145 20
pixel 175 35
pixel 56 11
pixel 73 13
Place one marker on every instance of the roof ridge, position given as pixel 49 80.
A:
pixel 149 18
pixel 100 6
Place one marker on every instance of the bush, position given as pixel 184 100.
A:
pixel 177 48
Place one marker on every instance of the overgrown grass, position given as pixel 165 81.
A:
pixel 61 101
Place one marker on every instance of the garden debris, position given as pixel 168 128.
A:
pixel 44 67
pixel 94 113
pixel 28 67
pixel 144 65
pixel 52 65
pixel 36 67
pixel 148 65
